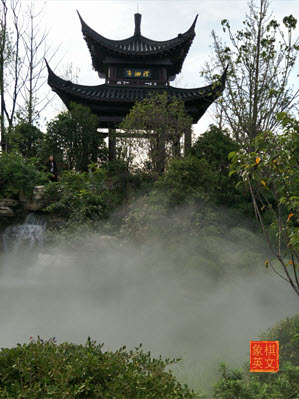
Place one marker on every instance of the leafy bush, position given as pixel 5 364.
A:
pixel 84 196
pixel 44 369
pixel 185 179
pixel 17 173
pixel 234 385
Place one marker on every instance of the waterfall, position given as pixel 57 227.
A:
pixel 25 236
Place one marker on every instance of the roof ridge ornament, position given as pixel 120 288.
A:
pixel 137 24
pixel 194 23
pixel 191 29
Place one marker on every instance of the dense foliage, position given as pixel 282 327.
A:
pixel 164 120
pixel 91 195
pixel 271 174
pixel 185 179
pixel 73 139
pixel 213 147
pixel 26 139
pixel 44 369
pixel 234 384
pixel 19 174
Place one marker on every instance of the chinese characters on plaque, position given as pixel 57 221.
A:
pixel 264 356
pixel 137 73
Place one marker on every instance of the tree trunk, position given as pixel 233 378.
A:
pixel 187 142
pixel 112 145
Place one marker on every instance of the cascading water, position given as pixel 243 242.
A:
pixel 25 236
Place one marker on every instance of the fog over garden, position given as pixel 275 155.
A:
pixel 149 198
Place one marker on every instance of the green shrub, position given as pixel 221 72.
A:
pixel 234 385
pixel 185 179
pixel 44 369
pixel 85 196
pixel 17 173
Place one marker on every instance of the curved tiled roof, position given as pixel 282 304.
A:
pixel 119 93
pixel 138 44
pixel 196 100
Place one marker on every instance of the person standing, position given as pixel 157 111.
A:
pixel 52 168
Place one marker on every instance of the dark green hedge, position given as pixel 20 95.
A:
pixel 43 369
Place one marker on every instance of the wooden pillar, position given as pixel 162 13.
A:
pixel 112 144
pixel 187 142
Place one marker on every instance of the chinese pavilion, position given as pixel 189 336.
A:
pixel 133 69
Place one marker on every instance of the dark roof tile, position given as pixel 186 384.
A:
pixel 137 44
pixel 109 93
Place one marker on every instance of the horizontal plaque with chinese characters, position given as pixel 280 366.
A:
pixel 264 356
pixel 138 73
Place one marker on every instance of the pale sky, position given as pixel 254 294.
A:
pixel 161 20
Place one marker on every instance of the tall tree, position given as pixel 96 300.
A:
pixel 156 124
pixel 25 139
pixel 271 174
pixel 10 63
pixel 35 49
pixel 73 139
pixel 23 48
pixel 260 58
pixel 4 57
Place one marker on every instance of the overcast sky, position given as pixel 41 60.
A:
pixel 161 20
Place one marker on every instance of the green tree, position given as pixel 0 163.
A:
pixel 162 121
pixel 73 139
pixel 26 139
pixel 271 174
pixel 260 58
pixel 214 146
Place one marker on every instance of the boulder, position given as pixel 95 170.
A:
pixel 9 202
pixel 37 202
pixel 35 205
pixel 39 193
pixel 5 211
